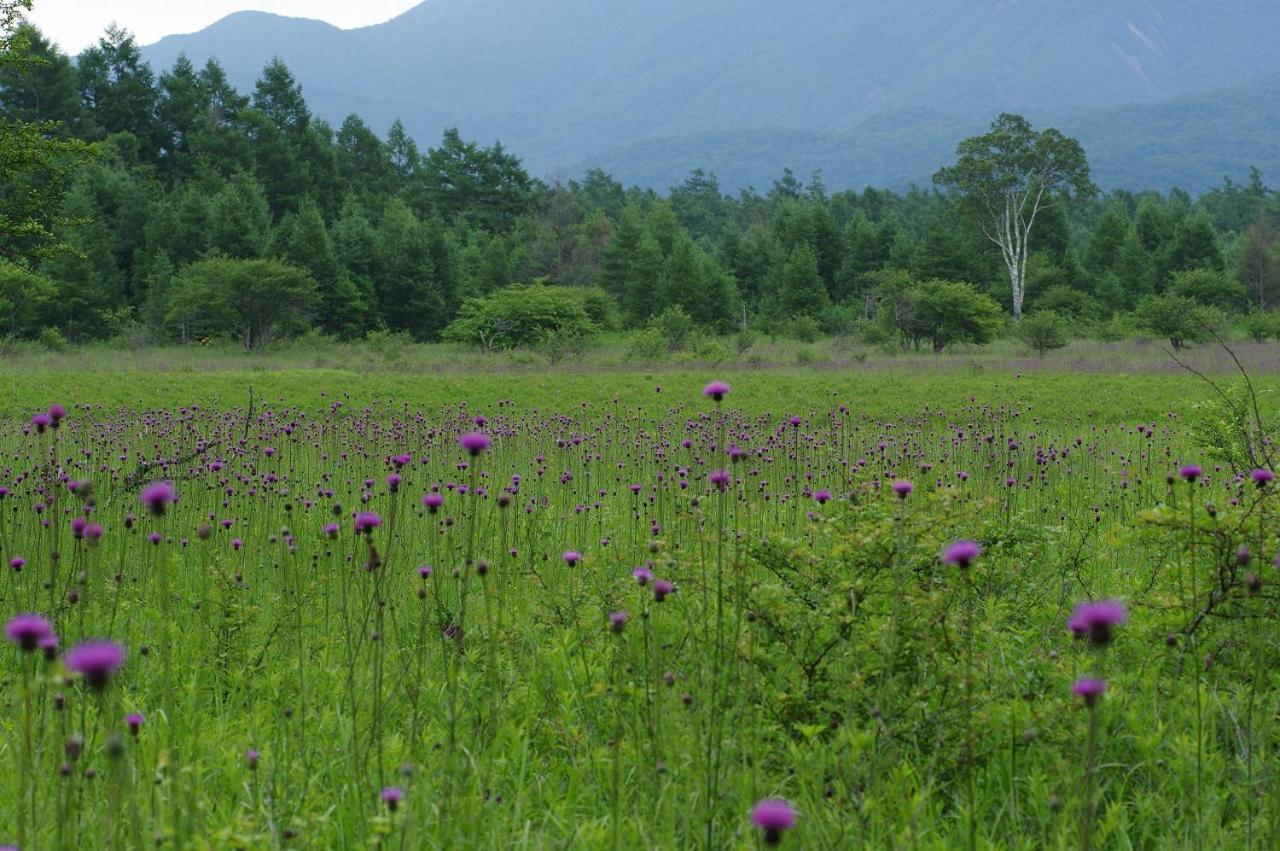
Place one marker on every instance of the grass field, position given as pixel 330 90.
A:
pixel 632 612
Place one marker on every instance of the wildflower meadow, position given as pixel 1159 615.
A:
pixel 671 610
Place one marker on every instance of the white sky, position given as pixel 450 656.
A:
pixel 75 24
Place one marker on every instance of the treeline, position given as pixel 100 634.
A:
pixel 208 212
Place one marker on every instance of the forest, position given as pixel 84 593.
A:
pixel 189 211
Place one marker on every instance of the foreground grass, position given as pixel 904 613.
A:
pixel 816 650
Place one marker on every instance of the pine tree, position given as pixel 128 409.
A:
pixel 802 292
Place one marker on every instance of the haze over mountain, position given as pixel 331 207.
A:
pixel 1162 92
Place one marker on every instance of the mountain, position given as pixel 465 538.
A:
pixel 872 91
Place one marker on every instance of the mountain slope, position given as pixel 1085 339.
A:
pixel 1191 142
pixel 567 81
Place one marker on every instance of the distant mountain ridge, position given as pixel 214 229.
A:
pixel 871 91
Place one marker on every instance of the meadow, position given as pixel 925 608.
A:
pixel 409 606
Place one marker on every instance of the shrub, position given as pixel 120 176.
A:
pixel 521 316
pixel 647 346
pixel 803 328
pixel 388 345
pixel 1209 287
pixel 1069 303
pixel 675 326
pixel 943 312
pixel 1177 318
pixel 712 351
pixel 51 338
pixel 1042 332
pixel 1260 325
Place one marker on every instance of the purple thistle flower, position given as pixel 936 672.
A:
pixel 251 758
pixel 773 816
pixel 962 553
pixel 57 413
pixel 643 575
pixel 902 488
pixel 134 720
pixel 617 620
pixel 41 422
pixel 1089 689
pixel 432 501
pixel 571 557
pixel 822 496
pixel 96 661
pixel 716 390
pixel 331 530
pixel 27 631
pixel 1096 619
pixel 1262 477
pixel 366 522
pixel 719 479
pixel 661 589
pixel 392 796
pixel 475 442
pixel 1190 472
pixel 157 497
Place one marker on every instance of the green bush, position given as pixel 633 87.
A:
pixel 388 345
pixel 1042 331
pixel 1177 318
pixel 51 338
pixel 647 346
pixel 712 351
pixel 675 326
pixel 521 316
pixel 1209 287
pixel 802 328
pixel 1260 325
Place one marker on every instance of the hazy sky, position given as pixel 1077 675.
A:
pixel 75 24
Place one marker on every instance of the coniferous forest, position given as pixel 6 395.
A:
pixel 194 211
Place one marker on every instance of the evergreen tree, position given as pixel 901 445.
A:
pixel 239 219
pixel 278 96
pixel 1195 245
pixel 117 89
pixel 801 292
pixel 41 86
pixel 301 240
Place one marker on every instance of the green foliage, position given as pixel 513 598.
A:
pixel 1226 426
pixel 1071 304
pixel 941 313
pixel 648 345
pixel 185 167
pixel 675 326
pixel 51 339
pixel 1042 331
pixel 1209 288
pixel 1177 318
pixel 522 316
pixel 805 329
pixel 254 300
pixel 37 159
pixel 1261 325
pixel 23 294
pixel 1008 177
pixel 802 292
